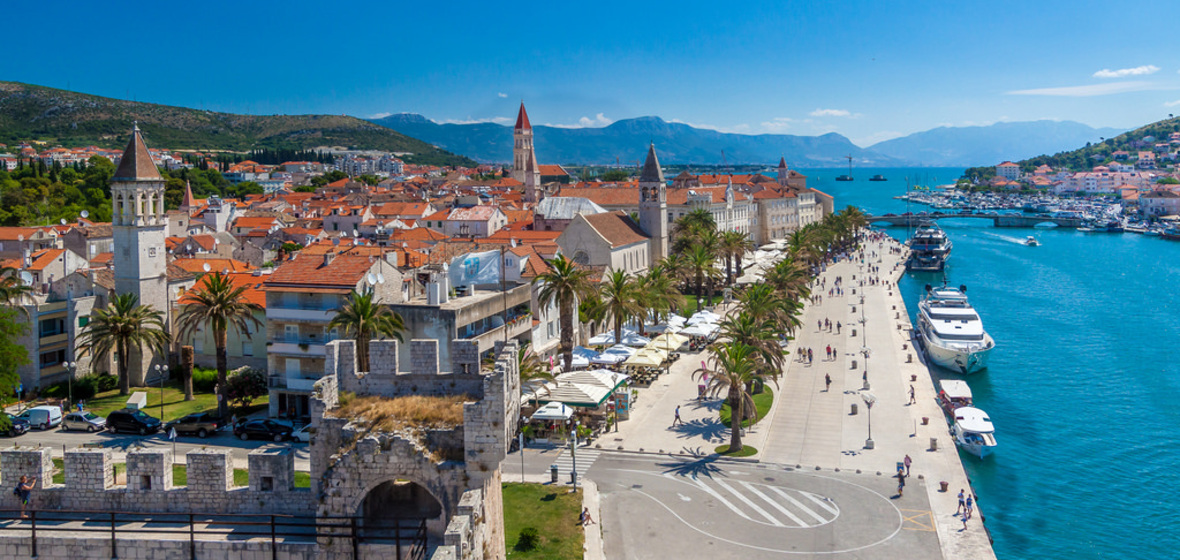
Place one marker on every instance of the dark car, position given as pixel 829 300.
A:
pixel 264 429
pixel 18 427
pixel 133 420
pixel 202 424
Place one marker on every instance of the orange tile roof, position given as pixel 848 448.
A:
pixel 417 234
pixel 101 259
pixel 616 227
pixel 197 265
pixel 253 284
pixel 344 271
pixel 43 258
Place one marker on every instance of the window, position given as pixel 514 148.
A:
pixel 550 329
pixel 53 358
pixel 247 348
pixel 151 251
pixel 291 333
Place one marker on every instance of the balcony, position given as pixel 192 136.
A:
pixel 516 327
pixel 312 314
pixel 281 381
pixel 51 339
pixel 310 348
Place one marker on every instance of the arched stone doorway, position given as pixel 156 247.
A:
pixel 401 501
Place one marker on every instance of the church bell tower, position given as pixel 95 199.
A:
pixel 653 205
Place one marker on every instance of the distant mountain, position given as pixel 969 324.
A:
pixel 988 145
pixel 1092 154
pixel 78 119
pixel 627 140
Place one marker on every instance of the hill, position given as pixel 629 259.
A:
pixel 77 119
pixel 990 145
pixel 627 140
pixel 1099 153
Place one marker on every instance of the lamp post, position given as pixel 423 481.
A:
pixel 869 399
pixel 71 367
pixel 574 454
pixel 162 372
pixel 866 352
pixel 523 421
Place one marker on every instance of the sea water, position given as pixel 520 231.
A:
pixel 1082 386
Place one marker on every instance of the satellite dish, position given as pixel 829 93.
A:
pixel 225 271
pixel 371 278
pixel 26 277
pixel 355 234
pixel 20 237
pixel 206 267
pixel 85 213
pixel 512 242
pixel 63 221
pixel 380 278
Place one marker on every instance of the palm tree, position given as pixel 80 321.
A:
pixel 791 278
pixel 363 319
pixel 687 230
pixel 700 261
pixel 218 304
pixel 659 294
pixel 758 334
pixel 530 365
pixel 12 290
pixel 620 298
pixel 764 302
pixel 735 244
pixel 733 366
pixel 566 284
pixel 120 328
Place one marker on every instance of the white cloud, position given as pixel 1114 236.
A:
pixel 830 113
pixel 779 124
pixel 1091 90
pixel 1124 72
pixel 379 115
pixel 469 120
pixel 599 120
pixel 502 95
pixel 1172 103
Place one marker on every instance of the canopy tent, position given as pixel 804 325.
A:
pixel 668 342
pixel 644 359
pixel 702 329
pixel 630 338
pixel 552 411
pixel 608 359
pixel 575 394
pixel 703 317
pixel 674 322
pixel 598 377
pixel 602 339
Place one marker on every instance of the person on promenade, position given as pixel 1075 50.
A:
pixel 827 382
pixel 677 419
pixel 585 518
pixel 907 463
pixel 837 327
pixel 962 504
pixel 970 506
pixel 24 489
pixel 900 482
pixel 912 399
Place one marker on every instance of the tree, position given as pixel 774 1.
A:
pixel 187 356
pixel 733 366
pixel 658 293
pixel 121 327
pixel 12 290
pixel 529 364
pixel 620 298
pixel 615 175
pixel 363 319
pixel 734 244
pixel 245 385
pixel 218 304
pixel 564 284
pixel 700 260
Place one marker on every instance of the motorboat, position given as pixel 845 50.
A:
pixel 929 248
pixel 973 431
pixel 844 177
pixel 878 178
pixel 955 394
pixel 1032 241
pixel 952 332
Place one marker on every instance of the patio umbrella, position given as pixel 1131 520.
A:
pixel 644 359
pixel 553 411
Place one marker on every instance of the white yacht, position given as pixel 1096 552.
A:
pixel 974 432
pixel 929 248
pixel 952 332
pixel 1031 241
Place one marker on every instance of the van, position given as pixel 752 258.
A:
pixel 132 420
pixel 42 417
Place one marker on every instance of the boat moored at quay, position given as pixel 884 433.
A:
pixel 929 248
pixel 952 332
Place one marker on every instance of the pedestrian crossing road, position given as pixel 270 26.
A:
pixel 585 459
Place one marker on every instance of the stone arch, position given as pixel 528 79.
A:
pixel 401 498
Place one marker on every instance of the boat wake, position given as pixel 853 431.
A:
pixel 1016 240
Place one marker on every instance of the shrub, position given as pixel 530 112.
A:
pixel 204 380
pixel 245 385
pixel 528 540
pixel 85 387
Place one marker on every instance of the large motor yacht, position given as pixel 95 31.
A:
pixel 929 248
pixel 952 332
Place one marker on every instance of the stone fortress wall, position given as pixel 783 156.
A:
pixel 452 474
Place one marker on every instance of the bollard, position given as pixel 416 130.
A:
pixel 913 377
pixel 853 332
pixel 909 358
pixel 934 444
pixel 942 484
pixel 905 346
pixel 895 308
pixel 553 474
pixel 573 477
pixel 854 309
pixel 925 420
pixel 853 365
pixel 897 315
pixel 853 413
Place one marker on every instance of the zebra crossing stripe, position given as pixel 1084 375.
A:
pixel 820 501
pixel 799 505
pixel 776 505
pixel 714 493
pixel 748 502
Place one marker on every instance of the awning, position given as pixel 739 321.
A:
pixel 646 358
pixel 553 411
pixel 599 377
pixel 576 394
pixel 703 329
pixel 668 342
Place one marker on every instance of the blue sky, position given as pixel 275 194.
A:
pixel 868 70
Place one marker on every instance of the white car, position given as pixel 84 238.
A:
pixel 303 435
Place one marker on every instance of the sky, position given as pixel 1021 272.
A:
pixel 869 70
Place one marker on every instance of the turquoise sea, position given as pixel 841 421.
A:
pixel 1082 387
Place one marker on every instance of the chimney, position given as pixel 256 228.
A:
pixel 328 257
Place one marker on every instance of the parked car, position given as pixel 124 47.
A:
pixel 18 427
pixel 303 435
pixel 202 424
pixel 266 429
pixel 42 417
pixel 133 420
pixel 84 420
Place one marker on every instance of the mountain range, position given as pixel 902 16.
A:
pixel 683 144
pixel 78 119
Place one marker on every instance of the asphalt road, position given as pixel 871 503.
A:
pixel 60 440
pixel 663 507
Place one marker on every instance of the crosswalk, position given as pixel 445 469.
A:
pixel 565 462
pixel 766 504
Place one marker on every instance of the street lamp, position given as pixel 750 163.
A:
pixel 574 454
pixel 869 399
pixel 71 367
pixel 162 372
pixel 523 423
pixel 866 352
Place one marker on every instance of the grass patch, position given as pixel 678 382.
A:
pixel 388 415
pixel 175 407
pixel 553 512
pixel 747 450
pixel 762 402
pixel 180 475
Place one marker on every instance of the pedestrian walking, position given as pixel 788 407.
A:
pixel 912 399
pixel 810 356
pixel 970 505
pixel 907 463
pixel 900 482
pixel 24 490
pixel 962 504
pixel 837 327
pixel 677 419
pixel 829 351
pixel 827 382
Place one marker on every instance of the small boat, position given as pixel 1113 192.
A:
pixel 844 178
pixel 847 177
pixel 878 178
pixel 955 394
pixel 1085 229
pixel 1171 234
pixel 973 431
pixel 1032 241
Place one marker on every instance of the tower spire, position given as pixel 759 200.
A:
pixel 189 202
pixel 651 168
pixel 522 119
pixel 136 163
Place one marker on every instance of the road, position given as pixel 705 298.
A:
pixel 60 440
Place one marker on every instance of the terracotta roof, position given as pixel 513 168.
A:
pixel 522 119
pixel 475 213
pixel 416 209
pixel 616 227
pixel 417 234
pixel 553 171
pixel 344 271
pixel 137 164
pixel 101 259
pixel 254 222
pixel 177 274
pixel 14 233
pixel 43 258
pixel 104 277
pixel 197 265
pixel 504 236
pixel 253 284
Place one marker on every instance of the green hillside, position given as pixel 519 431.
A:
pixel 77 119
pixel 1085 158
